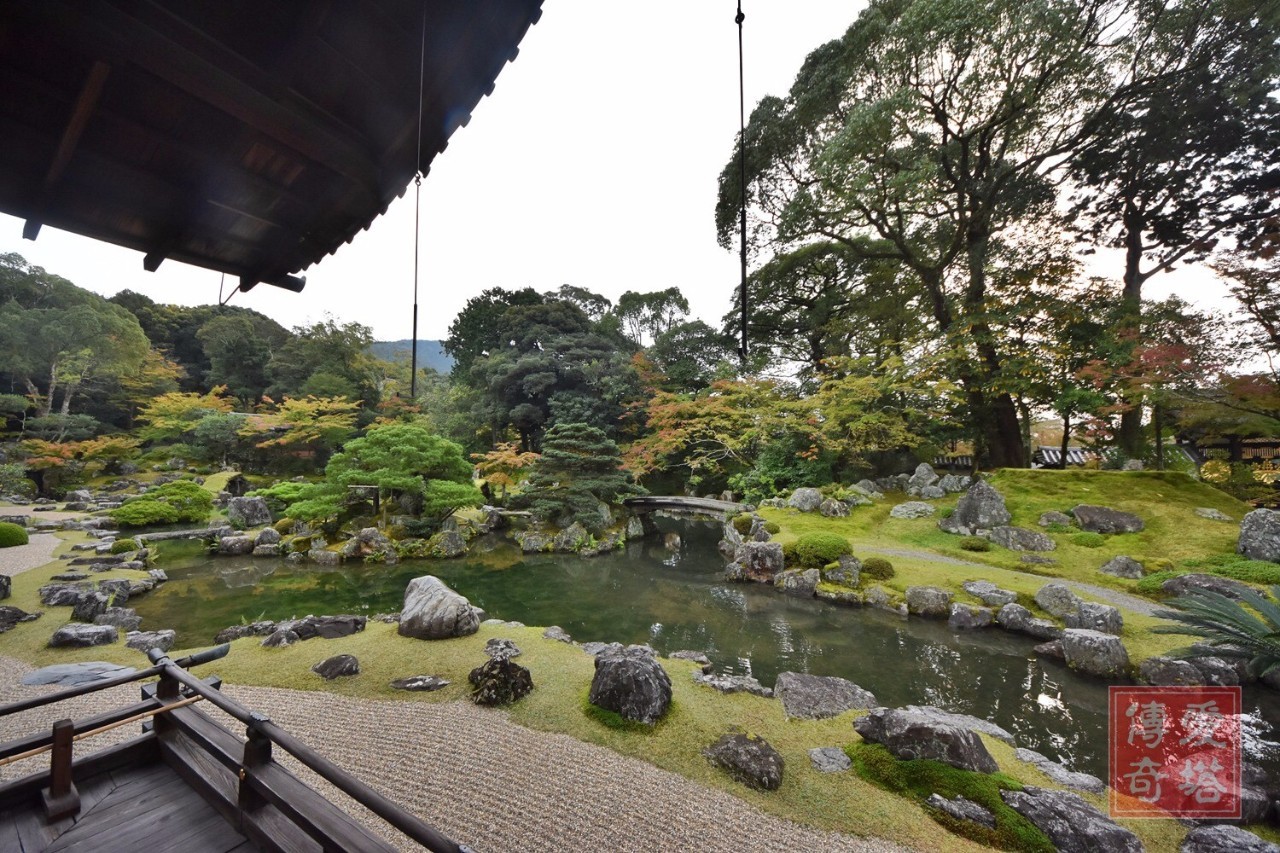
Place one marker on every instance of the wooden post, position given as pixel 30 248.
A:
pixel 257 752
pixel 61 799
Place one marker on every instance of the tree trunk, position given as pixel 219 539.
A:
pixel 1066 438
pixel 1129 436
pixel 1024 416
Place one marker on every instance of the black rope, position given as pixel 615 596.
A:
pixel 417 210
pixel 742 181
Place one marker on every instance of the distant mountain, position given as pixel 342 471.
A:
pixel 430 353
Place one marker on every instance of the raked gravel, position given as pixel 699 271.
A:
pixel 37 552
pixel 491 784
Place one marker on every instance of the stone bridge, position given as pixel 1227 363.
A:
pixel 706 509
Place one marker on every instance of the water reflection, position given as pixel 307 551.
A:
pixel 644 595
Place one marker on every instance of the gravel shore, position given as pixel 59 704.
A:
pixel 19 558
pixel 494 785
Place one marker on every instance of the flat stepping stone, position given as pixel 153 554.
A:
pixel 829 759
pixel 71 674
pixel 420 683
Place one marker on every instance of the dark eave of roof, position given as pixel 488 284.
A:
pixel 249 137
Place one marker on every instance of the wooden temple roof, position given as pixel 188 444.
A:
pixel 248 137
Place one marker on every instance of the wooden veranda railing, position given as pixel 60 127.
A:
pixel 240 779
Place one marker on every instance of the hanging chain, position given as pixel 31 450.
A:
pixel 742 181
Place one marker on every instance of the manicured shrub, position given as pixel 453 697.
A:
pixel 12 534
pixel 947 512
pixel 877 568
pixel 1059 527
pixel 284 526
pixel 974 543
pixel 742 523
pixel 192 502
pixel 1089 540
pixel 143 513
pixel 772 528
pixel 815 550
pixel 122 546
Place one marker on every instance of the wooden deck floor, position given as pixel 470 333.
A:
pixel 139 809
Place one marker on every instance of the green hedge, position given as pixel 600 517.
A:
pixel 877 568
pixel 815 550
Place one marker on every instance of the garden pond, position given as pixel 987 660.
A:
pixel 679 600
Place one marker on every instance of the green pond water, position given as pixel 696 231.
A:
pixel 673 601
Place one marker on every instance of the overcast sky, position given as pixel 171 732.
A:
pixel 593 163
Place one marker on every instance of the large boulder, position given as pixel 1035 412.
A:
pixel 749 759
pixel 432 611
pixel 968 617
pixel 922 477
pixel 78 635
pixel 912 509
pixel 235 546
pixel 124 618
pixel 1183 584
pixel 1101 519
pixel 1260 535
pixel 248 512
pixel 90 606
pixel 846 572
pixel 832 508
pixel 1097 617
pixel 911 735
pixel 805 499
pixel 760 561
pixel 144 641
pixel 631 683
pixel 988 593
pixel 817 697
pixel 801 581
pixel 1169 672
pixel 338 666
pixel 326 627
pixel 954 483
pixel 1223 838
pixel 1095 653
pixel 1122 567
pixel 1019 539
pixel 928 601
pixel 981 508
pixel 1071 823
pixel 1015 617
pixel 1057 600
pixel 500 681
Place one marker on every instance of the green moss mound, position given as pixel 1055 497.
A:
pixel 920 778
pixel 12 534
pixel 877 568
pixel 1238 568
pixel 742 523
pixel 815 550
pixel 1152 585
pixel 772 528
pixel 1089 540
pixel 974 543
pixel 123 546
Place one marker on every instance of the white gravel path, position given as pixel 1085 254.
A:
pixel 20 558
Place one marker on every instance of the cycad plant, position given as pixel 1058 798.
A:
pixel 1248 628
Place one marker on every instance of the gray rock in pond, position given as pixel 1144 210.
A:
pixel 1101 519
pixel 846 573
pixel 432 611
pixel 1217 672
pixel 90 606
pixel 1260 535
pixel 829 759
pixel 79 635
pixel 555 632
pixel 338 666
pixel 760 561
pixel 10 616
pixel 244 513
pixel 923 477
pixel 267 536
pixel 1072 824
pixel 1122 567
pixel 1061 775
pixel 989 594
pixel 1052 517
pixel 1213 514
pixel 1095 653
pixel 1015 617
pixel 324 557
pixel 1223 838
pixel 1097 617
pixel 449 544
pixel 266 551
pixel 733 684
pixel 802 581
pixel 805 499
pixel 281 638
pixel 420 683
pixel 749 759
pixel 157 575
pixel 912 509
pixel 962 809
pixel 1019 539
pixel 818 697
pixel 144 641
pixel 632 684
pixel 1051 649
pixel 1169 672
pixel 571 539
pixel 501 648
pixel 235 546
pixel 964 721
pixel 1183 584
pixel 928 601
pixel 124 618
pixel 968 617
pixel 910 735
pixel 832 508
pixel 1058 600
pixel 499 681
pixel 981 508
